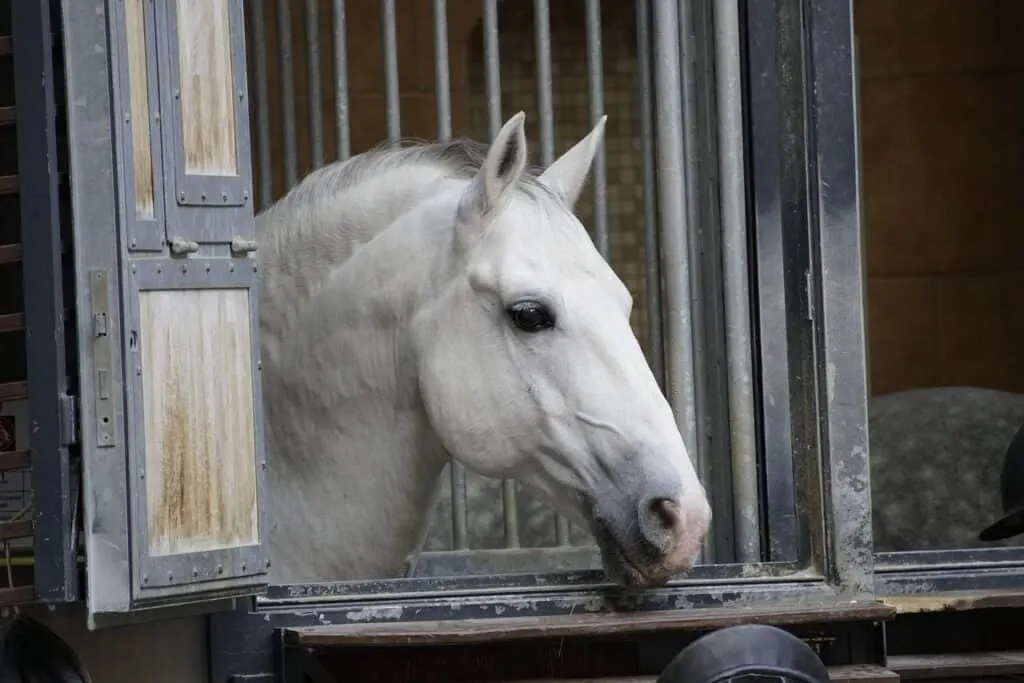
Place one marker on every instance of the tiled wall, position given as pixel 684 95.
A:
pixel 942 129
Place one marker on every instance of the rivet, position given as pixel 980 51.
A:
pixel 224 196
pixel 184 268
pixel 220 569
pixel 202 196
pixel 195 573
pixel 170 576
pixel 207 267
pixel 145 578
pixel 243 566
pixel 231 267
pixel 268 564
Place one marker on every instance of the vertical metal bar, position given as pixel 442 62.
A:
pixel 262 92
pixel 443 95
pixel 492 78
pixel 442 79
pixel 284 36
pixel 732 207
pixel 545 107
pixel 692 148
pixel 842 372
pixel 389 43
pixel 674 223
pixel 313 85
pixel 545 110
pixel 340 46
pixel 778 183
pixel 652 270
pixel 56 576
pixel 595 98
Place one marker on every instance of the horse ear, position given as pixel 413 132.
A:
pixel 566 176
pixel 500 172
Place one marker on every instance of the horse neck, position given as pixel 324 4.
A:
pixel 353 459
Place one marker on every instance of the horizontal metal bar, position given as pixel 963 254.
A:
pixel 14 460
pixel 11 253
pixel 933 560
pixel 20 529
pixel 530 583
pixel 507 561
pixel 13 391
pixel 501 629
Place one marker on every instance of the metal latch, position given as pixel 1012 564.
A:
pixel 240 246
pixel 183 246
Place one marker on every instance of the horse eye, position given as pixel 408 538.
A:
pixel 530 316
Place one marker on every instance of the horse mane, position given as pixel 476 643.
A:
pixel 335 210
pixel 458 158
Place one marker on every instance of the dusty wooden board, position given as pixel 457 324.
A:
pixel 954 602
pixel 12 530
pixel 138 93
pixel 10 253
pixel 13 391
pixel 204 47
pixel 198 397
pixel 856 673
pixel 967 665
pixel 12 322
pixel 9 184
pixel 489 630
pixel 14 460
pixel 18 595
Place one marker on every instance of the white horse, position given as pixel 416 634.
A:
pixel 443 300
pixel 936 456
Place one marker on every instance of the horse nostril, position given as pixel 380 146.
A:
pixel 659 518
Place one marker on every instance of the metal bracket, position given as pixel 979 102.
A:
pixel 102 354
pixel 183 246
pixel 241 246
pixel 68 420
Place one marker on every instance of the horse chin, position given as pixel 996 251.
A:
pixel 622 569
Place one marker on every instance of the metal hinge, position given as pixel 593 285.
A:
pixel 68 420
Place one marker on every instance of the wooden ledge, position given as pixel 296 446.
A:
pixel 451 632
pixel 961 601
pixel 969 665
pixel 854 673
